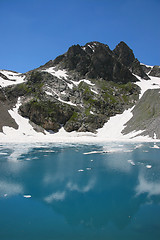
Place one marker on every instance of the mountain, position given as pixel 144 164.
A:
pixel 79 91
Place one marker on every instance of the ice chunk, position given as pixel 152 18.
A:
pixel 27 196
pixel 148 166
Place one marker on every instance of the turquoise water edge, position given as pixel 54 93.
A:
pixel 69 191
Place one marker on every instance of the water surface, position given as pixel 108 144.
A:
pixel 61 192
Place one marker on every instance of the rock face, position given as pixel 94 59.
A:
pixel 51 102
pixel 94 60
pixel 146 115
pixel 126 56
pixel 79 90
pixel 5 117
pixel 155 72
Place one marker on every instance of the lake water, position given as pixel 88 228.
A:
pixel 63 192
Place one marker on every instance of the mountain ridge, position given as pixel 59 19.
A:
pixel 79 90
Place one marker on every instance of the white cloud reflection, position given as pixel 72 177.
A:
pixel 10 189
pixel 83 189
pixel 57 196
pixel 145 186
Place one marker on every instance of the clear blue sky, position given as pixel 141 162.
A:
pixel 34 31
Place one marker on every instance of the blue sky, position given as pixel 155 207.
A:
pixel 34 31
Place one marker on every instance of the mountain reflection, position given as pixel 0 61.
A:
pixel 109 189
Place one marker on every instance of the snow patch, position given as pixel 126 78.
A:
pixel 83 80
pixel 62 74
pixel 155 146
pixel 69 102
pixel 94 91
pixel 13 78
pixel 24 128
pixel 153 83
pixel 113 128
pixel 49 93
pixel 146 65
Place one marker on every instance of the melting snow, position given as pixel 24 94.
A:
pixel 49 93
pixel 57 73
pixel 14 78
pixel 83 80
pixel 69 102
pixel 154 83
pixel 146 65
pixel 94 91
pixel 155 146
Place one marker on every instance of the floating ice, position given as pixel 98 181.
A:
pixel 155 146
pixel 148 166
pixel 88 168
pixel 131 162
pixel 94 152
pixel 27 196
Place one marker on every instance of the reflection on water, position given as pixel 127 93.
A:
pixel 100 193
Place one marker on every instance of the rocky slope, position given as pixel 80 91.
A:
pixel 79 90
pixel 146 115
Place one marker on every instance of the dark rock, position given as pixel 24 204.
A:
pixel 48 115
pixel 145 68
pixel 5 117
pixel 3 76
pixel 126 56
pixel 155 72
pixel 94 60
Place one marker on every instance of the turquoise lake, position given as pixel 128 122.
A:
pixel 108 191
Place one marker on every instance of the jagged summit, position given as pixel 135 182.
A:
pixel 96 60
pixel 126 56
pixel 93 60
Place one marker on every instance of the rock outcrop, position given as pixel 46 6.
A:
pixel 155 72
pixel 146 115
pixel 126 56
pixel 94 60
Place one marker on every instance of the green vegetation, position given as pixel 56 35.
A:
pixel 36 77
pixel 74 117
pixel 87 111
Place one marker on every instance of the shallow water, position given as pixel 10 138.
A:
pixel 109 191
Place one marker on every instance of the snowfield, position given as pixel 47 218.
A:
pixel 11 78
pixel 111 131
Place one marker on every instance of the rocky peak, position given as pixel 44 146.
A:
pixel 126 56
pixel 92 47
pixel 94 60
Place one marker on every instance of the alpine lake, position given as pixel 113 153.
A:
pixel 107 191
